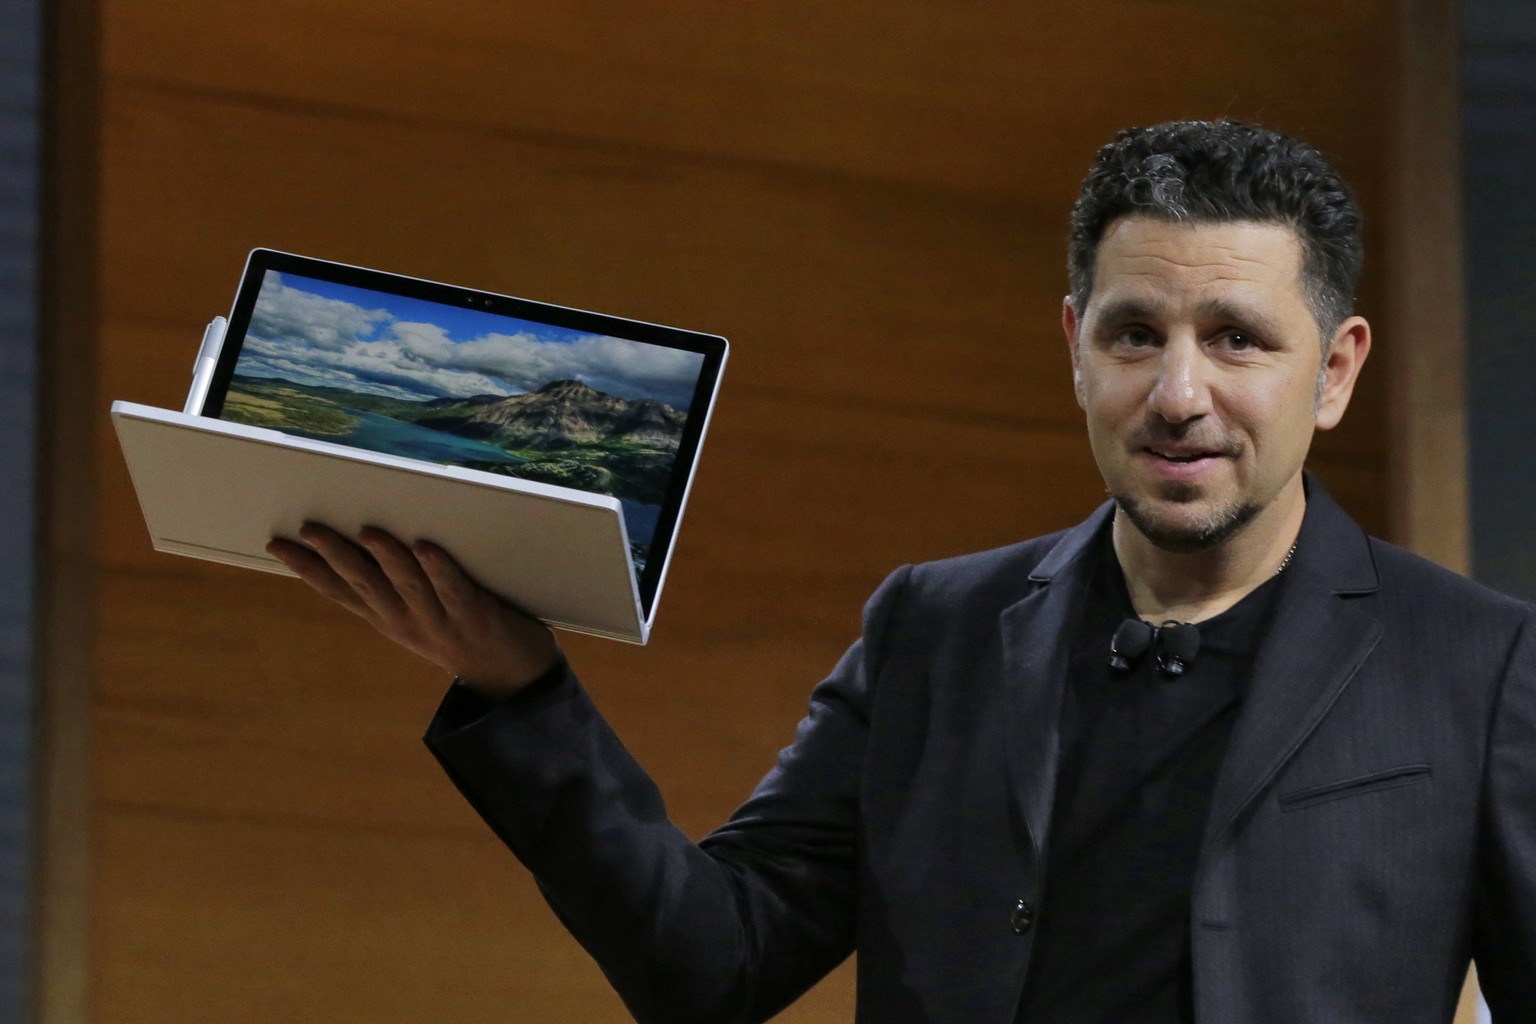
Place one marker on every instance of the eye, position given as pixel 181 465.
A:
pixel 1135 337
pixel 1239 341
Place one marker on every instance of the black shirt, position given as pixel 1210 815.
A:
pixel 1141 750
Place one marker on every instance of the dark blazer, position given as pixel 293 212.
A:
pixel 1373 825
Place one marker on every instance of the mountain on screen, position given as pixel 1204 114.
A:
pixel 565 433
pixel 562 414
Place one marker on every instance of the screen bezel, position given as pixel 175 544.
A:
pixel 712 347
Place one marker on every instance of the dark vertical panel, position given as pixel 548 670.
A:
pixel 1499 78
pixel 64 598
pixel 19 138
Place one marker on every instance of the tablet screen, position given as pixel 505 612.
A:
pixel 469 379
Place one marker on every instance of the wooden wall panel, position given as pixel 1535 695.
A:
pixel 973 97
pixel 869 200
pixel 802 273
pixel 307 920
pixel 1429 412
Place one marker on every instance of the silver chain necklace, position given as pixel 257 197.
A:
pixel 1287 559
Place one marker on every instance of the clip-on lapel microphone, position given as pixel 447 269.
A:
pixel 1176 643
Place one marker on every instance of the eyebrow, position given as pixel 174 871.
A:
pixel 1122 310
pixel 1218 309
pixel 1130 309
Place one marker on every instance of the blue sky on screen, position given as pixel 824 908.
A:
pixel 326 334
pixel 461 324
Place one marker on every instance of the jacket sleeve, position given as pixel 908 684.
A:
pixel 731 929
pixel 1504 923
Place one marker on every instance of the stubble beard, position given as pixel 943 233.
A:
pixel 1181 539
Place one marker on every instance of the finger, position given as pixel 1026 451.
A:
pixel 499 646
pixel 459 594
pixel 462 595
pixel 356 569
pixel 404 572
pixel 314 571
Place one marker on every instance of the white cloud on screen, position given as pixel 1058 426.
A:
pixel 325 324
pixel 370 367
pixel 316 340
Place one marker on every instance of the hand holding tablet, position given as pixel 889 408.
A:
pixel 420 598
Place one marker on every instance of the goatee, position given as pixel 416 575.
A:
pixel 1187 539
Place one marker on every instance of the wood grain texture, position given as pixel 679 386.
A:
pixel 869 201
pixel 799 274
pixel 1429 423
pixel 975 97
pixel 302 920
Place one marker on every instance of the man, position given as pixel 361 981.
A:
pixel 1211 755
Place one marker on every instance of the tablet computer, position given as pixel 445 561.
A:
pixel 435 385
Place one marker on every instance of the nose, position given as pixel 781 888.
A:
pixel 1181 393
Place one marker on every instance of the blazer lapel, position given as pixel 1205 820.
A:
pixel 1314 647
pixel 1035 668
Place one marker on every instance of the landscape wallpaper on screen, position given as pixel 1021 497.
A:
pixel 467 388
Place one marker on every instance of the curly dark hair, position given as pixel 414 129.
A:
pixel 1220 172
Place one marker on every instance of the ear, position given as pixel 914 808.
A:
pixel 1351 344
pixel 1069 327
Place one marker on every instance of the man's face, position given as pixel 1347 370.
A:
pixel 1197 362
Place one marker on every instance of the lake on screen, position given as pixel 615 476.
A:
pixel 407 440
pixel 395 437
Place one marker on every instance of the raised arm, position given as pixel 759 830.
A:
pixel 728 930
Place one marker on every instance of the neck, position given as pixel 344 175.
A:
pixel 1193 586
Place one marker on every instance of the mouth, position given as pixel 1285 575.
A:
pixel 1183 455
pixel 1180 462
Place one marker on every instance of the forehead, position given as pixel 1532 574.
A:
pixel 1182 263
